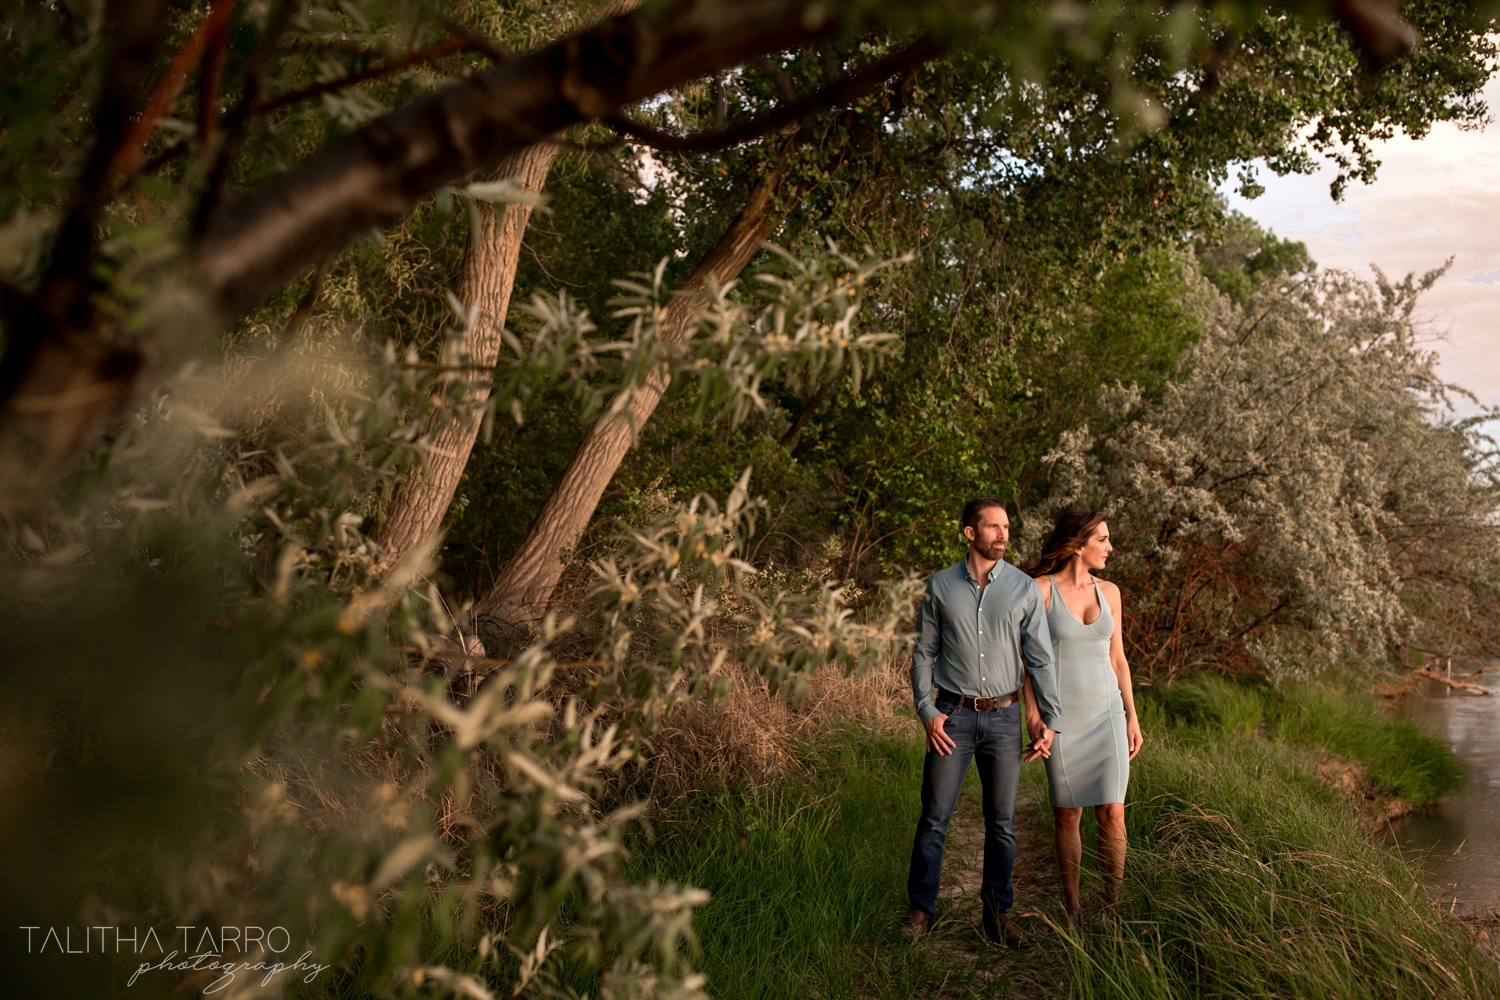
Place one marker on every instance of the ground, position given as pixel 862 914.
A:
pixel 1040 969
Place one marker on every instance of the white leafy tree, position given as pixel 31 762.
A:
pixel 1300 496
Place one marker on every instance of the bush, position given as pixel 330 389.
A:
pixel 1299 498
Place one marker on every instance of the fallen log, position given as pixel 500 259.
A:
pixel 1433 675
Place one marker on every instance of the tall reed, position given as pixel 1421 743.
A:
pixel 1249 877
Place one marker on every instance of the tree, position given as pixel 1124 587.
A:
pixel 533 571
pixel 65 379
pixel 1299 499
pixel 422 499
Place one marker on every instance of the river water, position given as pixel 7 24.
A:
pixel 1460 837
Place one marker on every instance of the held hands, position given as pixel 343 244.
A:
pixel 938 740
pixel 1041 746
pixel 940 743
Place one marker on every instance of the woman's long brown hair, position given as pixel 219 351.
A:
pixel 1073 531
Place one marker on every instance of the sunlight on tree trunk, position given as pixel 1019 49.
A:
pixel 528 580
pixel 422 498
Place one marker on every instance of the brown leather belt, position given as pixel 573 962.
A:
pixel 980 704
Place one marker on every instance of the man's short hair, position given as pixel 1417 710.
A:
pixel 978 506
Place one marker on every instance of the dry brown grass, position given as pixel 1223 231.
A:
pixel 751 736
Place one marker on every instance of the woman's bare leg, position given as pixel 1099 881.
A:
pixel 1111 819
pixel 1069 854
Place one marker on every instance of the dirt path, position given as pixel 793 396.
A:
pixel 1038 971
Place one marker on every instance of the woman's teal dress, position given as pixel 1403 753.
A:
pixel 1090 762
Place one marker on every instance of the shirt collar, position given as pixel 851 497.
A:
pixel 964 564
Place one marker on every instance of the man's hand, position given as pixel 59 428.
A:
pixel 1042 745
pixel 938 740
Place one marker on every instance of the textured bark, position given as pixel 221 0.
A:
pixel 527 581
pixel 422 498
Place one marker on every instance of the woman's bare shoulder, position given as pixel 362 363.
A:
pixel 1111 591
pixel 1040 583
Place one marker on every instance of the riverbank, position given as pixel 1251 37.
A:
pixel 1460 836
pixel 1252 871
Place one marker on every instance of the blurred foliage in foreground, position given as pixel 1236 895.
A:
pixel 222 706
pixel 226 709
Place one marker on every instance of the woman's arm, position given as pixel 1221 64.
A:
pixel 1122 667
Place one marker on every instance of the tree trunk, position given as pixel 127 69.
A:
pixel 527 581
pixel 422 498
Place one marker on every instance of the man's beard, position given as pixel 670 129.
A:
pixel 995 551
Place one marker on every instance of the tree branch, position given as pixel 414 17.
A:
pixel 62 382
pixel 376 175
pixel 721 101
pixel 783 82
pixel 851 88
pixel 809 408
pixel 208 87
pixel 1377 27
pixel 373 73
pixel 208 30
pixel 255 73
pixel 61 304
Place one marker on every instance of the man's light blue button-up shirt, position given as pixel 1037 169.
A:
pixel 970 641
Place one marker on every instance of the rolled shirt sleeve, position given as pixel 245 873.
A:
pixel 924 655
pixel 1041 662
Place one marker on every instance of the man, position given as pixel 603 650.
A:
pixel 978 618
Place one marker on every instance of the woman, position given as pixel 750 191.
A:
pixel 1088 763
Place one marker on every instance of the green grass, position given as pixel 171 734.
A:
pixel 1249 878
pixel 1248 875
pixel 1400 758
pixel 1212 702
pixel 808 881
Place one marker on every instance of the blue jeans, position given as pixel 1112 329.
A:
pixel 993 739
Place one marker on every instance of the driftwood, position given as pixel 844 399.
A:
pixel 1433 675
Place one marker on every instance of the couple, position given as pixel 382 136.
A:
pixel 990 638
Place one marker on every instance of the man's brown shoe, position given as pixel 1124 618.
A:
pixel 917 924
pixel 999 927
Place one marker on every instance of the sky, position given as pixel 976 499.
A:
pixel 1432 199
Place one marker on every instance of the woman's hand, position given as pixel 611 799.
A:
pixel 1041 739
pixel 1133 736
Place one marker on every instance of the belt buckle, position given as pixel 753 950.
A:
pixel 986 704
